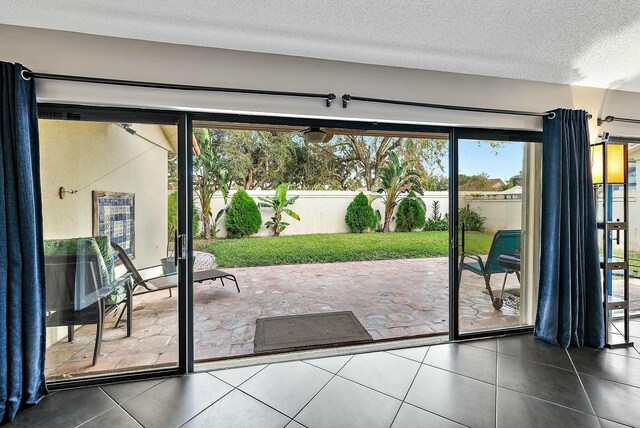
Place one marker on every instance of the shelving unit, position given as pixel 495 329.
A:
pixel 614 231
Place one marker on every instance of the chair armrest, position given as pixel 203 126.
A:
pixel 476 257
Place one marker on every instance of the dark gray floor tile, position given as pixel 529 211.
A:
pixel 465 360
pixel 455 397
pixel 613 401
pixel 518 410
pixel 65 409
pixel 532 349
pixel 237 409
pixel 634 328
pixel 176 400
pixel 606 365
pixel 488 344
pixel 542 381
pixel 343 403
pixel 115 417
pixel 382 371
pixel 604 423
pixel 122 392
pixel 410 417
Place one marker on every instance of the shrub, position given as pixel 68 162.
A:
pixel 472 220
pixel 243 217
pixel 435 222
pixel 411 214
pixel 360 216
pixel 440 225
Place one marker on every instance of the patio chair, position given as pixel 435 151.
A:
pixel 163 282
pixel 76 295
pixel 505 242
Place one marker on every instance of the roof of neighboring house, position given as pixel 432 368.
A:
pixel 495 183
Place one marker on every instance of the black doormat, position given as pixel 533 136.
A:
pixel 296 332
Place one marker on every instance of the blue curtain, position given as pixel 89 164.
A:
pixel 570 310
pixel 22 290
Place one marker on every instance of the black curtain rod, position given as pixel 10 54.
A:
pixel 27 75
pixel 617 119
pixel 346 98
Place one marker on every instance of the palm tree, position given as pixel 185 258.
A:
pixel 396 178
pixel 279 204
pixel 209 174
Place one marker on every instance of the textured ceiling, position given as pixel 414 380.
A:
pixel 591 43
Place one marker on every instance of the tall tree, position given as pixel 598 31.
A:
pixel 209 172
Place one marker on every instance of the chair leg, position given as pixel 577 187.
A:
pixel 460 269
pixel 487 282
pixel 170 295
pixel 129 310
pixel 71 333
pixel 234 280
pixel 99 329
pixel 126 306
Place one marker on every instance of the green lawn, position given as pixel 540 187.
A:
pixel 339 247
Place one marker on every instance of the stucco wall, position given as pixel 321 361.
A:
pixel 324 211
pixel 74 154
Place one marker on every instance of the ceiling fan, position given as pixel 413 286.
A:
pixel 315 135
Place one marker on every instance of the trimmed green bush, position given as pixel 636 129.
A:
pixel 411 214
pixel 243 217
pixel 360 216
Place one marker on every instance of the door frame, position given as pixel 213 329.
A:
pixel 455 135
pixel 184 122
pixel 156 117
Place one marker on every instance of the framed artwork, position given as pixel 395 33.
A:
pixel 114 216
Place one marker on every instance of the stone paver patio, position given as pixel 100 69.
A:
pixel 391 298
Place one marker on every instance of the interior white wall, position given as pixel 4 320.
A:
pixel 88 55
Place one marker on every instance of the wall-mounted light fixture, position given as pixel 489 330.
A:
pixel 62 191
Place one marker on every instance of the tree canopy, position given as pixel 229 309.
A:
pixel 265 159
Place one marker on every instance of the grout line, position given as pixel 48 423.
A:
pixel 495 403
pixel 203 410
pixel 320 390
pixel 583 388
pixel 409 389
pixel 241 383
pixel 117 405
pixel 459 374
pixel 548 402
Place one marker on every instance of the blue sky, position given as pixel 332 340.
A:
pixel 474 158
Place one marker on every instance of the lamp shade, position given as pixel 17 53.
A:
pixel 616 168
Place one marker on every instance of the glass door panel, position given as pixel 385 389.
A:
pixel 498 233
pixel 109 194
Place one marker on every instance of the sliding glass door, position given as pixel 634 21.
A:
pixel 112 227
pixel 497 231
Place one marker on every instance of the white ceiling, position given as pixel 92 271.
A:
pixel 588 42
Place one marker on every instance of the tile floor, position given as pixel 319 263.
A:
pixel 391 298
pixel 514 381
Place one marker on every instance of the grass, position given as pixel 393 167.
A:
pixel 339 247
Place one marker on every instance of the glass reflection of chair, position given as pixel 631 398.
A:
pixel 80 288
pixel 505 243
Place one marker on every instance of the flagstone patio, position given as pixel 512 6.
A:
pixel 391 298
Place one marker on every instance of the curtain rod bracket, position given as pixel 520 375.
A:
pixel 346 98
pixel 330 97
pixel 606 119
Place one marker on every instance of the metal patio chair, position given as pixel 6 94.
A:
pixel 505 242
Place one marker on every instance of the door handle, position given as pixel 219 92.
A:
pixel 179 248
